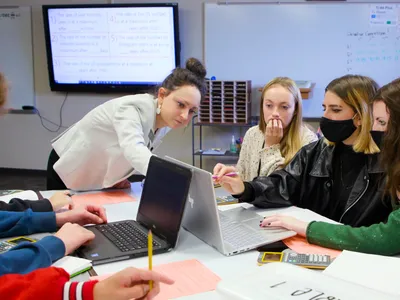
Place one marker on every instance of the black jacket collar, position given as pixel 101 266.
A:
pixel 323 165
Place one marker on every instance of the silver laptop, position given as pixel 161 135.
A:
pixel 232 231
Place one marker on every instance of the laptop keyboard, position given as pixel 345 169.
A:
pixel 237 235
pixel 125 235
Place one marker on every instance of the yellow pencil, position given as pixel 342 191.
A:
pixel 150 254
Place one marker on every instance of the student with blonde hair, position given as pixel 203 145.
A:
pixel 279 135
pixel 382 238
pixel 339 176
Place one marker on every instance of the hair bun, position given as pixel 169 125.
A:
pixel 196 67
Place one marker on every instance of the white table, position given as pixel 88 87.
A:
pixel 189 246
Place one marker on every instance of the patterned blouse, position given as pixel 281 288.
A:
pixel 252 152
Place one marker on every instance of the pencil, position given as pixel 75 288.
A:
pixel 231 174
pixel 150 254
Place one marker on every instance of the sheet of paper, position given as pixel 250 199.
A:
pixel 374 271
pixel 191 277
pixel 102 198
pixel 100 277
pixel 300 245
pixel 213 295
pixel 281 281
pixel 24 195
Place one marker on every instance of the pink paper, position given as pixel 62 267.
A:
pixel 191 277
pixel 100 277
pixel 101 198
pixel 300 245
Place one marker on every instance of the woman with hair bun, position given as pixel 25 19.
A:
pixel 117 138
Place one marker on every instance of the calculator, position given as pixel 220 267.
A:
pixel 224 200
pixel 7 245
pixel 311 261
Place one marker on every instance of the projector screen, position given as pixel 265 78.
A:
pixel 110 48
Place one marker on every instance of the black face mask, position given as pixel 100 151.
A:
pixel 377 136
pixel 337 131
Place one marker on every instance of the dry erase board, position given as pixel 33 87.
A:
pixel 305 41
pixel 16 55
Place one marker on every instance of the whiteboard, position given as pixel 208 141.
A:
pixel 16 54
pixel 304 41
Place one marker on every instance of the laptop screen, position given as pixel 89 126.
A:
pixel 164 197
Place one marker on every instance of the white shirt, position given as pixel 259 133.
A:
pixel 252 153
pixel 108 144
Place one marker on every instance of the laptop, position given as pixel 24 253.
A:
pixel 231 231
pixel 162 204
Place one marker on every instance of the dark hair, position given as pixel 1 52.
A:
pixel 390 95
pixel 193 74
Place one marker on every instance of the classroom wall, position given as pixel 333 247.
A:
pixel 25 143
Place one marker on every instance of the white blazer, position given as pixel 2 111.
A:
pixel 109 144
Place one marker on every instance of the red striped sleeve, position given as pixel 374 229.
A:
pixel 79 290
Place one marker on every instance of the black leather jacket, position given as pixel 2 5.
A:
pixel 307 182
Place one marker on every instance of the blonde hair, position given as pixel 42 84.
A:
pixel 3 91
pixel 291 141
pixel 357 91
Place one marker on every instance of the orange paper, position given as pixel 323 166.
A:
pixel 101 198
pixel 300 245
pixel 191 277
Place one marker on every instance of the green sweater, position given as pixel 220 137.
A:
pixel 382 238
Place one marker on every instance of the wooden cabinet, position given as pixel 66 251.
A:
pixel 226 102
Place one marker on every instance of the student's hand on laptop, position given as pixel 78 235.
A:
pixel 73 236
pixel 130 283
pixel 98 210
pixel 233 185
pixel 60 199
pixel 89 214
pixel 220 170
pixel 286 222
pixel 125 184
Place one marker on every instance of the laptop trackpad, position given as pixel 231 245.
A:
pixel 251 220
pixel 241 215
pixel 99 248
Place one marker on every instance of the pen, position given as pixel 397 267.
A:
pixel 231 174
pixel 150 254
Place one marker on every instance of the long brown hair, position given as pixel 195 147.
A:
pixel 291 141
pixel 390 153
pixel 357 91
